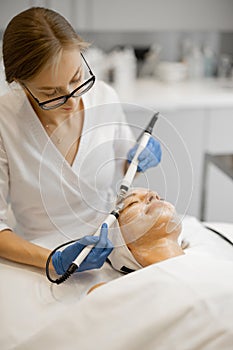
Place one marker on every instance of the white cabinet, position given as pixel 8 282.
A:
pixel 77 12
pixel 178 177
pixel 219 197
pixel 182 137
pixel 9 8
pixel 185 136
pixel 219 128
pixel 219 140
pixel 133 15
pixel 150 15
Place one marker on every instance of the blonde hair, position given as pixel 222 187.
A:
pixel 35 38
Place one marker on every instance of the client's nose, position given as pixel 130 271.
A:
pixel 152 195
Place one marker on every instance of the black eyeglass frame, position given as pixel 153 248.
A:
pixel 65 97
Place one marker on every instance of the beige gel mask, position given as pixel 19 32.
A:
pixel 142 214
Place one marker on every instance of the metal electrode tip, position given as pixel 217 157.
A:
pixel 120 203
pixel 120 199
pixel 120 206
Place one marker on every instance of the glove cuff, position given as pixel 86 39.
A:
pixel 57 263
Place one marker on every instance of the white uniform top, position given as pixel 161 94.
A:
pixel 48 195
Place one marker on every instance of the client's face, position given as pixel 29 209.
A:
pixel 146 215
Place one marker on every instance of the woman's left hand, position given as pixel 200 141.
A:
pixel 149 157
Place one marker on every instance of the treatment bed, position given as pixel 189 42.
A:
pixel 182 303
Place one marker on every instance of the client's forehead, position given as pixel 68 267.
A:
pixel 137 191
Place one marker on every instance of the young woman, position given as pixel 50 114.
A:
pixel 55 138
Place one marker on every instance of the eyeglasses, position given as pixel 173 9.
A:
pixel 61 100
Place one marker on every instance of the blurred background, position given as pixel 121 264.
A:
pixel 175 57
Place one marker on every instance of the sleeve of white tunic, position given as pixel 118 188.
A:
pixel 4 187
pixel 110 112
pixel 47 195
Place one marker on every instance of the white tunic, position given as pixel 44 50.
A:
pixel 48 195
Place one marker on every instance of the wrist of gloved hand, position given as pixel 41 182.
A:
pixel 149 157
pixel 102 248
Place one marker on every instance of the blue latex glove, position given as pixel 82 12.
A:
pixel 95 259
pixel 149 157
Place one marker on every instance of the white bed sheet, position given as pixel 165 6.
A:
pixel 186 301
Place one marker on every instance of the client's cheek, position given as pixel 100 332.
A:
pixel 129 215
pixel 131 232
pixel 133 227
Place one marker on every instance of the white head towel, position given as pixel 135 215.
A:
pixel 121 258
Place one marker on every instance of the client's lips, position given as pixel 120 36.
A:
pixel 68 109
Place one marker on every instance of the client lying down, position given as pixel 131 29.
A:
pixel 150 228
pixel 150 232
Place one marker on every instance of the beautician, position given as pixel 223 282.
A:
pixel 47 133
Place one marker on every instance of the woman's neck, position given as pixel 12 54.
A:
pixel 156 251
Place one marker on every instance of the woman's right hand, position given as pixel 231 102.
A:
pixel 95 259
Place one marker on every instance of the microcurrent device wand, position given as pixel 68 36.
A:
pixel 130 174
pixel 113 216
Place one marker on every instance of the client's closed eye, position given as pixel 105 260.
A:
pixel 130 204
